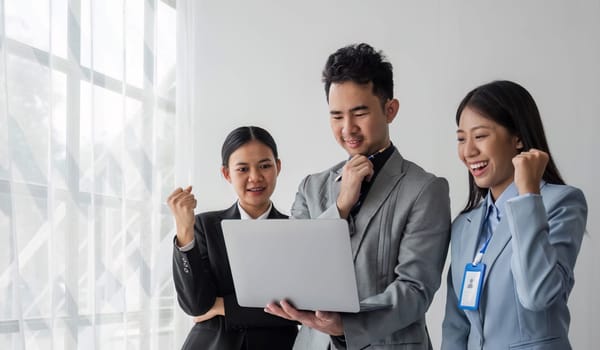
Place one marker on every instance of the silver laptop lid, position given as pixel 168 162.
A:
pixel 307 262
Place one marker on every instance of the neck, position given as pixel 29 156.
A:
pixel 382 147
pixel 497 191
pixel 256 211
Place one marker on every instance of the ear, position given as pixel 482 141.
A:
pixel 519 144
pixel 226 174
pixel 278 165
pixel 391 109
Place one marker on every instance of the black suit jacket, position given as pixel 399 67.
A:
pixel 203 274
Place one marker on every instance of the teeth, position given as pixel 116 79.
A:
pixel 478 165
pixel 256 189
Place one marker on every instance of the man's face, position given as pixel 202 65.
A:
pixel 358 120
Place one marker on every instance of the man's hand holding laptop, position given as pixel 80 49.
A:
pixel 326 322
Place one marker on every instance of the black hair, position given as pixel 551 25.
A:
pixel 361 64
pixel 512 106
pixel 241 136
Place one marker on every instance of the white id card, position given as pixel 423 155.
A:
pixel 471 286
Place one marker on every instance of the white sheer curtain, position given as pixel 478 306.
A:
pixel 88 138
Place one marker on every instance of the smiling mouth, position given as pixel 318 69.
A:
pixel 478 168
pixel 256 189
pixel 353 142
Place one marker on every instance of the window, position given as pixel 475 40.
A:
pixel 87 106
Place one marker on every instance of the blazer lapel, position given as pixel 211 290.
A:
pixel 232 213
pixel 385 181
pixel 464 243
pixel 467 236
pixel 471 234
pixel 334 191
pixel 470 240
pixel 275 214
pixel 499 240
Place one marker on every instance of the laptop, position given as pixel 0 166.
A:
pixel 306 262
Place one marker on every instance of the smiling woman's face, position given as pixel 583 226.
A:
pixel 487 149
pixel 252 171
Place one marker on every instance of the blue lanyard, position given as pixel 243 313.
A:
pixel 482 251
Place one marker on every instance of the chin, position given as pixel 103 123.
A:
pixel 354 151
pixel 262 199
pixel 482 184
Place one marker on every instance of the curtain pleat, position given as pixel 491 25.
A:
pixel 88 135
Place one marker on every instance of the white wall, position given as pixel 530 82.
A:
pixel 259 62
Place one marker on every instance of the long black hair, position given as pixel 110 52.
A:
pixel 510 105
pixel 241 136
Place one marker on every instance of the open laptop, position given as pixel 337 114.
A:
pixel 307 262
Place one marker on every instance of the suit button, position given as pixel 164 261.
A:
pixel 186 270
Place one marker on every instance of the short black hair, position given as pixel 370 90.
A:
pixel 361 64
pixel 512 106
pixel 241 136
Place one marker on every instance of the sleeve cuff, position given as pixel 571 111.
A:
pixel 522 196
pixel 187 247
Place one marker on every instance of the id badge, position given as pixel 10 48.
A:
pixel 471 286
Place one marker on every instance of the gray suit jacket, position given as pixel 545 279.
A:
pixel 399 241
pixel 529 273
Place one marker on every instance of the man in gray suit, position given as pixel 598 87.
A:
pixel 398 214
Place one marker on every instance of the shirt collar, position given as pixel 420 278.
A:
pixel 380 159
pixel 245 216
pixel 510 192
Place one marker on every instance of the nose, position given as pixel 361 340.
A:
pixel 349 126
pixel 469 148
pixel 255 175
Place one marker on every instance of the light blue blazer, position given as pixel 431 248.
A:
pixel 529 273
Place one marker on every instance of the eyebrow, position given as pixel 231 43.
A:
pixel 475 128
pixel 260 161
pixel 352 110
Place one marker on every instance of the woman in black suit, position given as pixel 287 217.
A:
pixel 200 266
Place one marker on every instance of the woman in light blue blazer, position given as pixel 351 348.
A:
pixel 514 246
